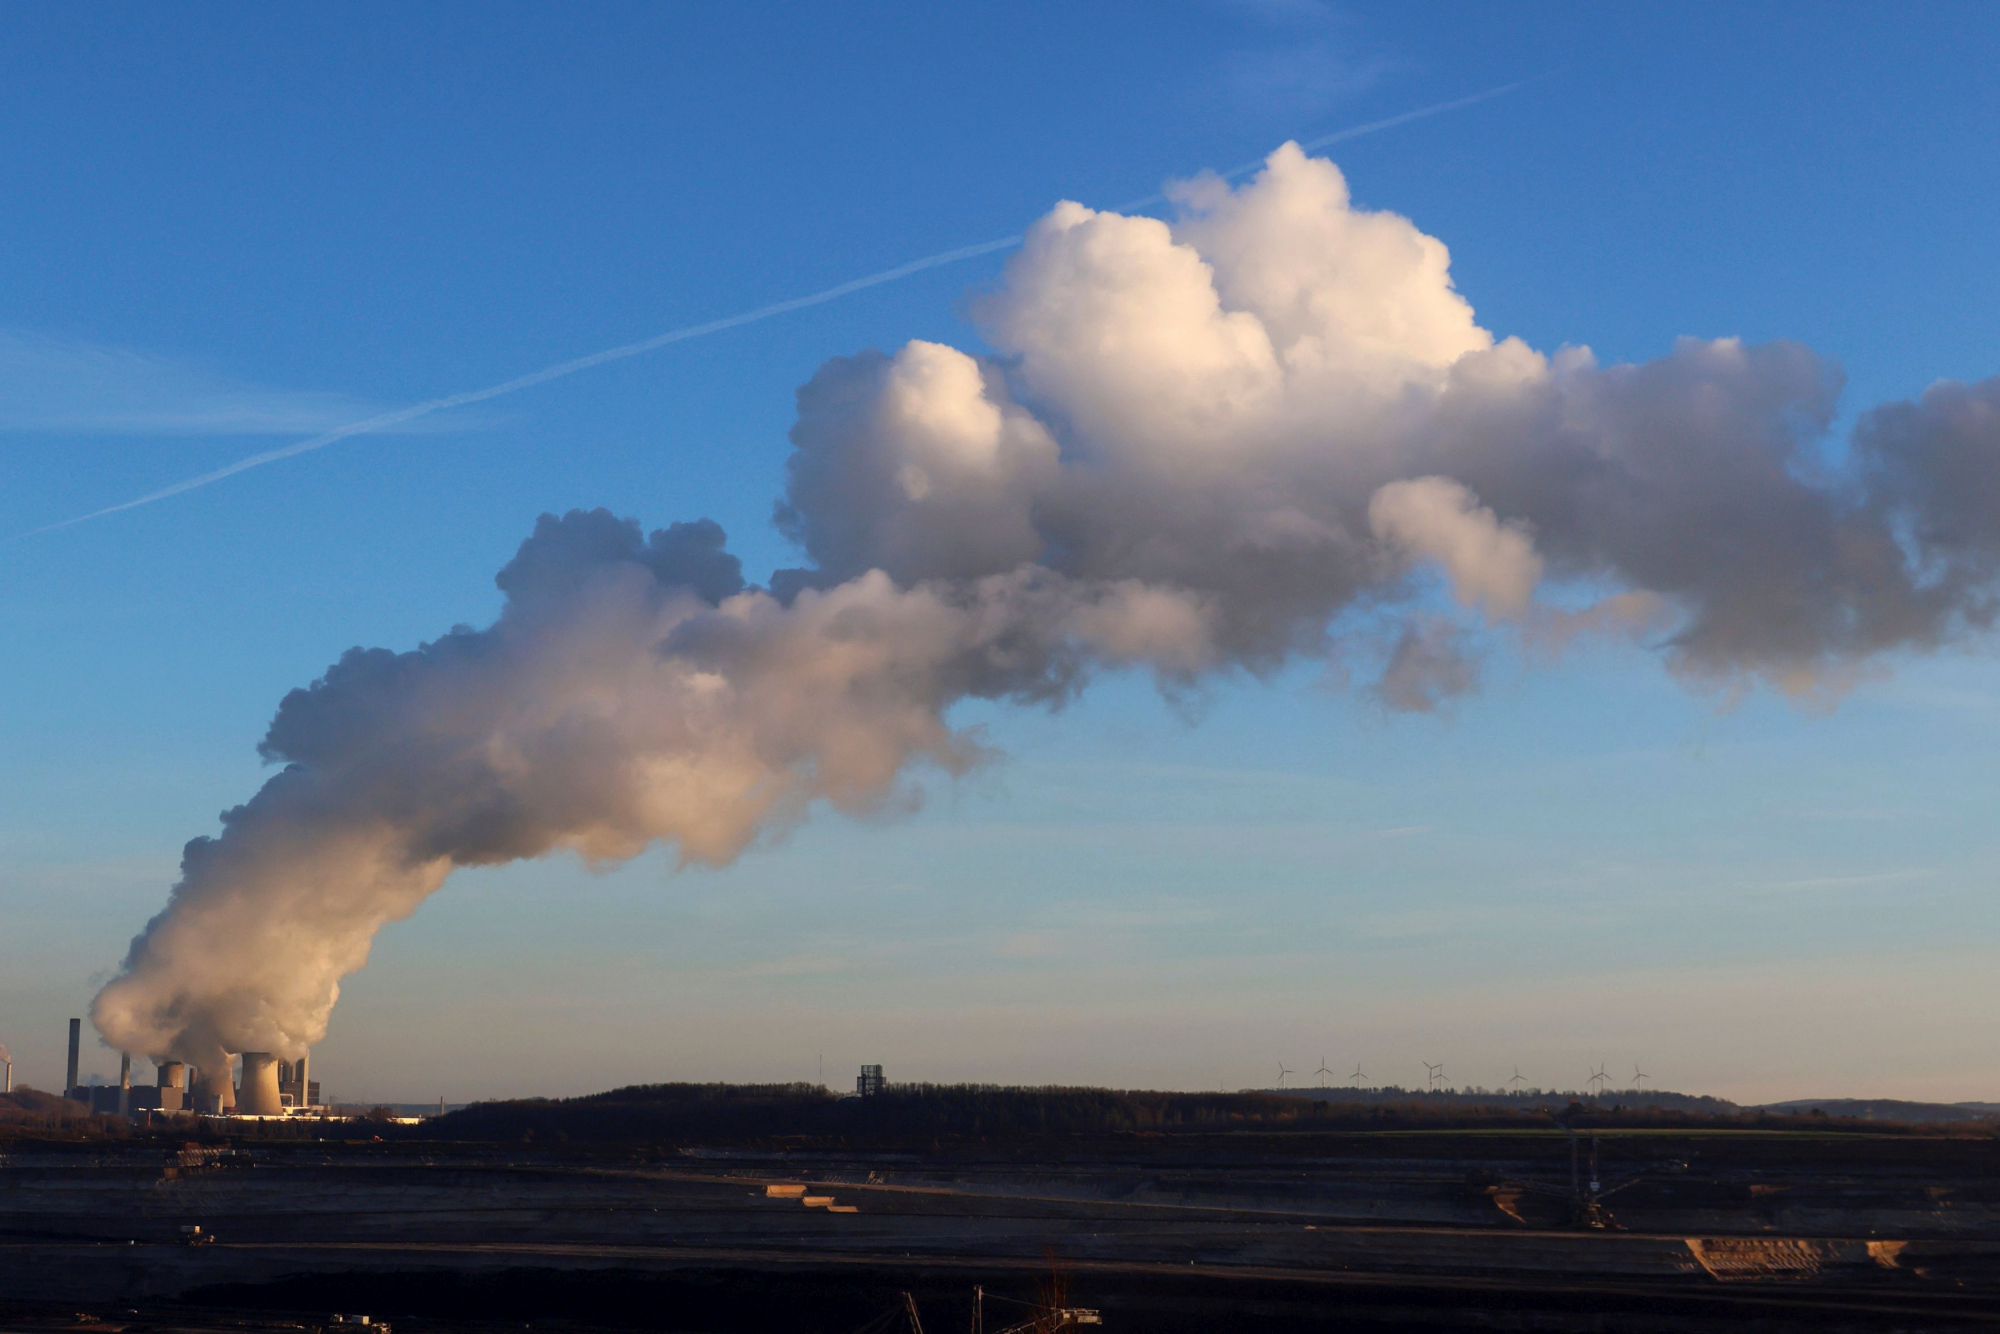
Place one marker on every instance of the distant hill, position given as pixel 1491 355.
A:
pixel 30 1102
pixel 1528 1101
pixel 919 1115
pixel 1888 1109
pixel 30 1112
pixel 909 1112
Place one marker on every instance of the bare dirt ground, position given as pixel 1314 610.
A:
pixel 1348 1231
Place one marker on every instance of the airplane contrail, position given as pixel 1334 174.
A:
pixel 561 369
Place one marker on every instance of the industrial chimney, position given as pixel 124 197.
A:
pixel 259 1094
pixel 75 1044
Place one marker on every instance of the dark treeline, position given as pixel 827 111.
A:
pixel 917 1116
pixel 31 1111
pixel 921 1113
pixel 1539 1100
pixel 769 1111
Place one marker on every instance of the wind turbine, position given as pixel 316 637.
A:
pixel 1638 1076
pixel 1357 1076
pixel 1517 1081
pixel 1282 1072
pixel 1322 1072
pixel 1434 1073
pixel 1598 1078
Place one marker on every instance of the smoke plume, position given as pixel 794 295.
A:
pixel 1258 432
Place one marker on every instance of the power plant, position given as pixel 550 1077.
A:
pixel 268 1087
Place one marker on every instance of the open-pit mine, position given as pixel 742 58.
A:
pixel 1517 1226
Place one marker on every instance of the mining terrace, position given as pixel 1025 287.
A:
pixel 1406 1229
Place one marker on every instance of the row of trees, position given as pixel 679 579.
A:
pixel 738 1112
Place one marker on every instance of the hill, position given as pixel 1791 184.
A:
pixel 1528 1101
pixel 1889 1109
pixel 739 1112
pixel 918 1115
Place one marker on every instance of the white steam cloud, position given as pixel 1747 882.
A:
pixel 1492 565
pixel 1211 445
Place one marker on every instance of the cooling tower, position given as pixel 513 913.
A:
pixel 212 1091
pixel 173 1086
pixel 259 1094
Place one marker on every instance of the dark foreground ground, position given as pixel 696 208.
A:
pixel 1427 1230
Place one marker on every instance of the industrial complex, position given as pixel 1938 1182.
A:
pixel 253 1085
pixel 268 1087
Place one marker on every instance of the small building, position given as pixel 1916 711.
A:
pixel 870 1083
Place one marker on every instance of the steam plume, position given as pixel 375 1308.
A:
pixel 564 369
pixel 1207 446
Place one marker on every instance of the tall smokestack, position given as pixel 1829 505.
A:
pixel 304 1071
pixel 259 1094
pixel 75 1045
pixel 124 1084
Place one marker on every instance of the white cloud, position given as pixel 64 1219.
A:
pixel 1493 566
pixel 1205 447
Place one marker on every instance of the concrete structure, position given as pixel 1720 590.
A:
pixel 172 1084
pixel 75 1046
pixel 213 1093
pixel 871 1082
pixel 259 1094
pixel 110 1100
pixel 270 1087
pixel 295 1083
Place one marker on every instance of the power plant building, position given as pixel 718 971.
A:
pixel 270 1087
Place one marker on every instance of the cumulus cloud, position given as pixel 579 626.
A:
pixel 1430 666
pixel 1202 446
pixel 918 465
pixel 1492 565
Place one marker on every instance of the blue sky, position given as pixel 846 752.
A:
pixel 223 232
